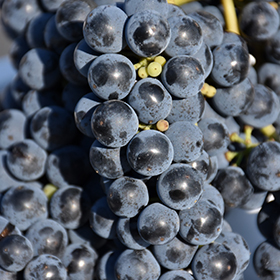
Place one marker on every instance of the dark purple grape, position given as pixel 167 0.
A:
pixel 256 200
pixel 212 169
pixel 85 235
pixel 103 29
pixel 268 76
pixel 127 196
pixel 201 164
pixel 136 264
pixel 217 12
pixel 135 6
pixel 45 267
pixel 35 30
pixel 150 100
pixel 15 252
pixel 67 166
pixel 276 232
pixel 234 186
pixel 183 76
pixel 7 275
pixel 215 134
pixel 110 163
pixel 235 100
pixel 266 261
pixel 114 123
pixel 264 109
pixel 47 237
pixel 39 69
pixel 16 14
pixel 187 140
pixel 70 17
pixel 191 7
pixel 79 260
pixel 18 89
pixel 12 92
pixel 233 38
pixel 18 49
pixel 12 127
pixel 128 234
pixel 53 127
pixel 176 254
pixel 214 261
pixel 83 113
pixel 205 57
pixel 24 205
pixel 53 39
pixel 201 224
pixel 213 196
pixel 26 160
pixel 68 68
pixel 71 94
pixel 35 100
pixel 174 10
pixel 258 21
pixel 83 57
pixel 158 224
pixel 51 5
pixel 102 219
pixel 209 112
pixel 231 64
pixel 186 36
pixel 150 153
pixel 147 33
pixel 212 29
pixel 188 109
pixel 106 263
pixel 111 76
pixel 6 228
pixel 272 48
pixel 237 244
pixel 70 206
pixel 180 186
pixel 267 217
pixel 263 167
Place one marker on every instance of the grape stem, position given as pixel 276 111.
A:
pixel 230 16
pixel 161 125
pixel 247 142
pixel 150 66
pixel 179 2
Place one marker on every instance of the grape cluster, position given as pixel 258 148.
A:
pixel 130 131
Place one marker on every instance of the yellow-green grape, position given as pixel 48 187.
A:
pixel 208 91
pixel 49 190
pixel 149 59
pixel 142 72
pixel 142 63
pixel 154 69
pixel 162 125
pixel 160 59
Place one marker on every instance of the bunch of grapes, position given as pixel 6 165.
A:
pixel 130 131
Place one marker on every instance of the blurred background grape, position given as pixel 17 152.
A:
pixel 5 42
